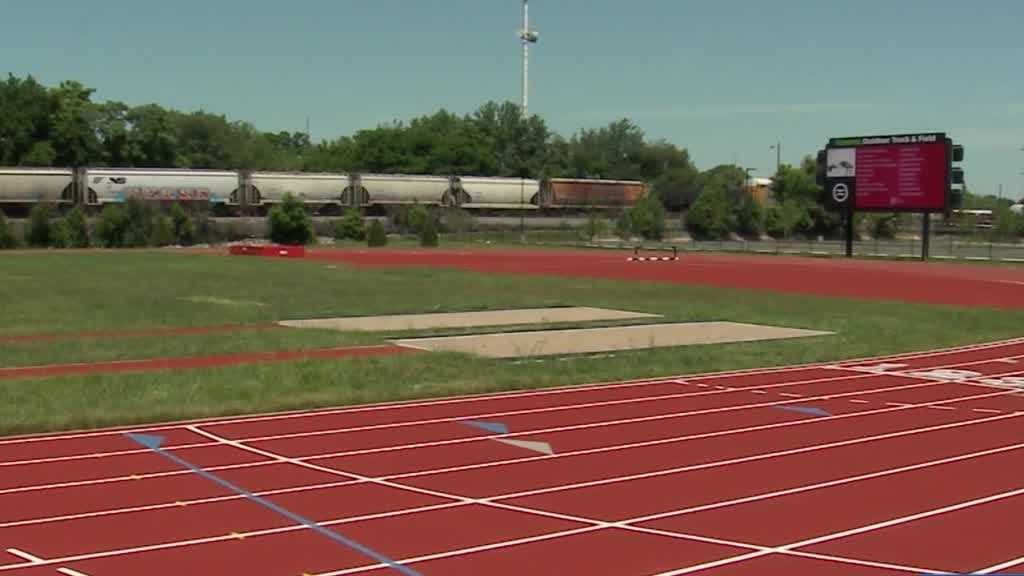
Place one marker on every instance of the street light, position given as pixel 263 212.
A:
pixel 778 155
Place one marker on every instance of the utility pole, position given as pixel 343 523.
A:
pixel 778 155
pixel 526 37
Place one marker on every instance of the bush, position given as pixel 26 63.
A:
pixel 458 221
pixel 139 217
pixel 162 233
pixel 77 228
pixel 624 226
pixel 289 223
pixel 647 218
pixel 410 220
pixel 883 225
pixel 60 235
pixel 350 227
pixel 775 222
pixel 376 235
pixel 7 239
pixel 183 229
pixel 749 217
pixel 595 226
pixel 709 218
pixel 112 225
pixel 39 232
pixel 428 233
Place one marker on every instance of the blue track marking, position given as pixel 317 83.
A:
pixel 155 444
pixel 805 410
pixel 495 427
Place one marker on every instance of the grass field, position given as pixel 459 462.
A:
pixel 51 292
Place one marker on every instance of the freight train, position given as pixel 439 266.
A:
pixel 244 192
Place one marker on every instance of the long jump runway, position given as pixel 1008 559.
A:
pixel 903 465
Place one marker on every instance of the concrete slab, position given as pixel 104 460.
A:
pixel 592 340
pixel 467 319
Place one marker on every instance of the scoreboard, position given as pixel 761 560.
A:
pixel 904 173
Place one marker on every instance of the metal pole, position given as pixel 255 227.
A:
pixel 526 56
pixel 849 233
pixel 925 233
pixel 522 197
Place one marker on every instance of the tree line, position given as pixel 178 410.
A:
pixel 65 126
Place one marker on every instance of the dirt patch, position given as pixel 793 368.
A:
pixel 468 319
pixel 591 340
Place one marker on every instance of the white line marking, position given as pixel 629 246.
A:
pixel 412 423
pixel 297 414
pixel 987 411
pixel 611 448
pixel 859 401
pixel 901 404
pixel 942 407
pixel 70 572
pixel 25 556
pixel 791 395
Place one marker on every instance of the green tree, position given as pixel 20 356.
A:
pixel 75 117
pixel 77 228
pixel 376 236
pixel 428 233
pixel 162 232
pixel 184 229
pixel 647 218
pixel 26 110
pixel 112 225
pixel 289 223
pixel 710 217
pixel 749 217
pixel 7 239
pixel 39 227
pixel 350 227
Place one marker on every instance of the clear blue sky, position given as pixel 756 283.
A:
pixel 723 78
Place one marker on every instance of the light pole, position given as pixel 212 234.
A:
pixel 526 37
pixel 778 155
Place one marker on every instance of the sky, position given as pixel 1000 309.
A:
pixel 725 79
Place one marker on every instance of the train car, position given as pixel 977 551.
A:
pixel 22 188
pixel 319 192
pixel 397 189
pixel 114 185
pixel 483 193
pixel 579 193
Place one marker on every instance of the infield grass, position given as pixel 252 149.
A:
pixel 72 292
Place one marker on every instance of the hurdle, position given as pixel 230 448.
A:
pixel 636 257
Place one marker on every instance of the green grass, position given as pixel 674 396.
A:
pixel 52 292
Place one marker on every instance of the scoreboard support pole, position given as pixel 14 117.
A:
pixel 849 232
pixel 926 229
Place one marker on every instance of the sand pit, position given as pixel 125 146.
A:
pixel 592 340
pixel 467 319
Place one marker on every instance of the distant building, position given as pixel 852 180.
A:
pixel 760 189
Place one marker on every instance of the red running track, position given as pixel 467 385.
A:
pixel 903 465
pixel 930 283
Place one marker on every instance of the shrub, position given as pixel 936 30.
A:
pixel 77 228
pixel 184 230
pixel 289 222
pixel 774 222
pixel 749 217
pixel 206 229
pixel 7 239
pixel 624 226
pixel 139 217
pixel 595 226
pixel 883 225
pixel 60 235
pixel 709 218
pixel 162 233
pixel 376 235
pixel 112 225
pixel 410 220
pixel 428 233
pixel 458 221
pixel 647 218
pixel 39 232
pixel 350 227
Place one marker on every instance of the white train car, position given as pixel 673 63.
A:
pixel 24 187
pixel 386 189
pixel 114 185
pixel 498 193
pixel 318 191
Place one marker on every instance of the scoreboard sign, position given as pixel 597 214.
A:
pixel 904 173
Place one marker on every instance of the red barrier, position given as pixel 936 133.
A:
pixel 271 250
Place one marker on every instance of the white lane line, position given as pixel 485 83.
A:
pixel 987 410
pixel 942 407
pixel 412 423
pixel 32 559
pixel 791 395
pixel 858 401
pixel 298 414
pixel 758 391
pixel 654 442
pixel 763 456
pixel 897 404
pixel 70 572
pixel 1001 392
